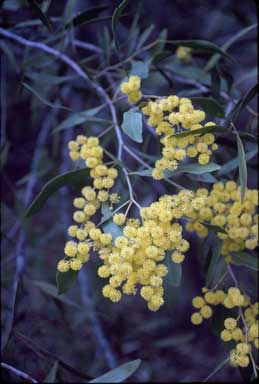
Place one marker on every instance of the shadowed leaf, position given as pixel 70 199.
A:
pixel 86 16
pixel 115 18
pixel 42 16
pixel 68 178
pixel 65 280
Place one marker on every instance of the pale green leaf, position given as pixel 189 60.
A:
pixel 51 376
pixel 241 165
pixel 119 374
pixel 245 259
pixel 132 125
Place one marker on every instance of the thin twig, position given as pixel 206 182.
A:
pixel 21 238
pixel 18 372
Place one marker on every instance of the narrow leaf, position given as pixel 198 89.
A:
pixel 51 290
pixel 115 19
pixel 214 228
pixel 196 169
pixel 245 259
pixel 65 280
pixel 203 130
pixel 42 16
pixel 213 262
pixel 51 376
pixel 210 106
pixel 132 125
pixel 213 61
pixel 86 16
pixel 68 178
pixel 201 45
pixel 241 165
pixel 242 104
pixel 119 374
pixel 176 273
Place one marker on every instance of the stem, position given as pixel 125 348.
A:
pixel 18 372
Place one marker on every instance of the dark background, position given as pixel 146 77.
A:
pixel 46 328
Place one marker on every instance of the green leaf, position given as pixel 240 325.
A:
pixel 68 178
pixel 9 53
pixel 241 166
pixel 248 136
pixel 42 16
pixel 115 19
pixel 203 178
pixel 45 101
pixel 145 35
pixel 4 154
pixel 112 228
pixel 51 290
pixel 203 130
pixel 210 106
pixel 245 259
pixel 175 273
pixel 119 374
pixel 140 68
pixel 214 228
pixel 201 45
pixel 242 104
pixel 77 118
pixel 160 56
pixel 65 280
pixel 106 212
pixel 174 341
pixel 213 61
pixel 213 262
pixel 132 125
pixel 196 169
pixel 85 16
pixel 51 376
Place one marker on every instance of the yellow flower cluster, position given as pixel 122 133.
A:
pixel 244 329
pixel 224 209
pixel 87 205
pixel 183 53
pixel 169 115
pixel 136 257
pixel 132 89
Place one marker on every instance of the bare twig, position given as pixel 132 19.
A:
pixel 21 241
pixel 19 373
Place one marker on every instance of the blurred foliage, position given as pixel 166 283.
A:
pixel 44 104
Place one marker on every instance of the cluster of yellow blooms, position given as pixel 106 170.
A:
pixel 225 209
pixel 136 257
pixel 87 205
pixel 132 89
pixel 244 330
pixel 168 116
pixel 183 53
